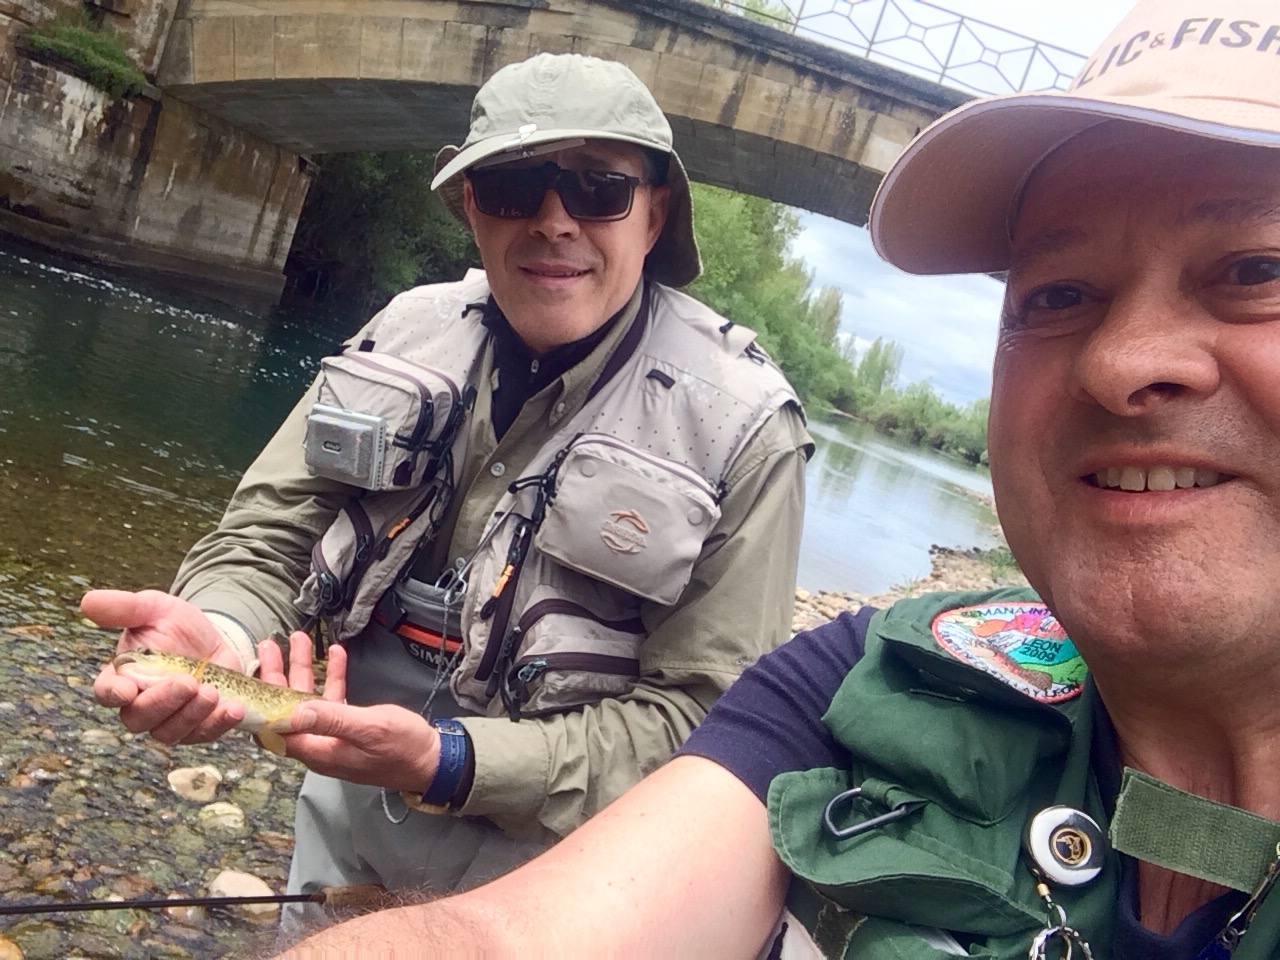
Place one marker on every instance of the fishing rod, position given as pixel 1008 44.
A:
pixel 333 897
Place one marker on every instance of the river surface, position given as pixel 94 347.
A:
pixel 127 410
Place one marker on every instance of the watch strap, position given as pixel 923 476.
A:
pixel 454 748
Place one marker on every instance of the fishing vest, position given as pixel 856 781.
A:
pixel 968 714
pixel 612 512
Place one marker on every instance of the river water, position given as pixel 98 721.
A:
pixel 127 410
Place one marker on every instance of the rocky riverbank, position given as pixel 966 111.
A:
pixel 91 812
pixel 952 570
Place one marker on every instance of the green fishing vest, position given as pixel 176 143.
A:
pixel 922 724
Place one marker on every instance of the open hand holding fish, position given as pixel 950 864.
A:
pixel 267 706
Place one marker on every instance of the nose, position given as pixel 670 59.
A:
pixel 1152 347
pixel 552 221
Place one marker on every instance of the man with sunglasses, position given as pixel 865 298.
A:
pixel 594 533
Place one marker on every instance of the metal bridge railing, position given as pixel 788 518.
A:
pixel 923 39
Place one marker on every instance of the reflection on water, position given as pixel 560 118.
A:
pixel 874 507
pixel 126 413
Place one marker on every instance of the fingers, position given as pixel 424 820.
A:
pixel 271 663
pixel 384 745
pixel 178 710
pixel 301 675
pixel 335 674
pixel 123 608
pixel 112 690
pixel 157 703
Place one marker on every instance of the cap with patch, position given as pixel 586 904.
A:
pixel 1204 69
pixel 541 103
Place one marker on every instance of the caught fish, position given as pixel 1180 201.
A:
pixel 267 707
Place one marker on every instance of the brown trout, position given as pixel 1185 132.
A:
pixel 267 707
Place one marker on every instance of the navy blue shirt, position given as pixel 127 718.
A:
pixel 770 722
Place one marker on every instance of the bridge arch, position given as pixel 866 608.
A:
pixel 753 109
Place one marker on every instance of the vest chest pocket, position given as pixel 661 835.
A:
pixel 375 417
pixel 628 518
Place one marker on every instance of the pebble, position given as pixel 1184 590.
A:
pixel 103 739
pixel 199 784
pixel 10 950
pixel 233 883
pixel 222 816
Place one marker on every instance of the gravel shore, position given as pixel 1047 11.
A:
pixel 953 570
pixel 89 811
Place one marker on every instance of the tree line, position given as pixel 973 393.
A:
pixel 372 227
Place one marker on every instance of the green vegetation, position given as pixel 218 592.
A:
pixel 372 227
pixel 749 277
pixel 92 53
pixel 1002 564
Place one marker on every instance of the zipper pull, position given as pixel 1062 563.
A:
pixel 519 692
pixel 499 588
pixel 510 644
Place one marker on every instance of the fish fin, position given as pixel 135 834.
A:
pixel 272 741
pixel 198 672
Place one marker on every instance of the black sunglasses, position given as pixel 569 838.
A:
pixel 515 193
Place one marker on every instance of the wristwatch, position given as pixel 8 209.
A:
pixel 454 747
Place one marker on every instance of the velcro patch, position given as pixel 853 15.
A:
pixel 1021 644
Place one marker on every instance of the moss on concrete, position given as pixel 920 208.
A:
pixel 94 55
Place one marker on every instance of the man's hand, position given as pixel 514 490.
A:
pixel 178 709
pixel 383 745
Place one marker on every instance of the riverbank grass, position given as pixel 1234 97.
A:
pixel 94 55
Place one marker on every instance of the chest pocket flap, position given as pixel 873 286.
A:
pixel 629 518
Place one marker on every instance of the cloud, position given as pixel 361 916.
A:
pixel 946 325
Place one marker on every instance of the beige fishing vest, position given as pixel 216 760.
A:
pixel 613 511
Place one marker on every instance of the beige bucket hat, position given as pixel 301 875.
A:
pixel 1208 69
pixel 556 97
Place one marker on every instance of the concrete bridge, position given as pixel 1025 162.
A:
pixel 754 109
pixel 203 176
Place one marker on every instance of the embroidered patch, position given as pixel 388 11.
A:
pixel 1020 644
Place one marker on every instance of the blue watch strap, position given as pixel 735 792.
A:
pixel 454 747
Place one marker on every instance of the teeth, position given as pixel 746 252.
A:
pixel 1160 479
pixel 1131 478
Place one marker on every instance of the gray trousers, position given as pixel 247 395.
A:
pixel 342 835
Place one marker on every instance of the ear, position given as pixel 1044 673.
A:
pixel 469 204
pixel 659 203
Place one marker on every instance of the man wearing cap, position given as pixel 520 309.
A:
pixel 1089 771
pixel 549 512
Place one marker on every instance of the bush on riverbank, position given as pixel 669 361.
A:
pixel 94 55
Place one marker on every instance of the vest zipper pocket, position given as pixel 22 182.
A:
pixel 530 669
pixel 426 405
pixel 570 609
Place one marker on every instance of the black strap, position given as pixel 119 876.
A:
pixel 626 347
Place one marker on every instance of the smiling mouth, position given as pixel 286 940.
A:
pixel 555 274
pixel 1155 479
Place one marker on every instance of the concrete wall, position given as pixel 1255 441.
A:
pixel 150 183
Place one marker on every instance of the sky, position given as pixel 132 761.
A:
pixel 946 325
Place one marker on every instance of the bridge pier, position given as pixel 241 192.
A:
pixel 147 183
